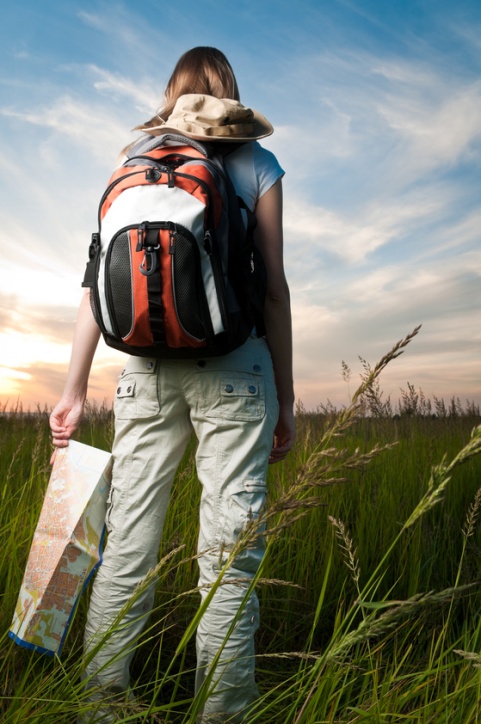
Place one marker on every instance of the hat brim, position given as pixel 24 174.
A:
pixel 261 129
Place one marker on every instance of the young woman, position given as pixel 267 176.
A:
pixel 236 440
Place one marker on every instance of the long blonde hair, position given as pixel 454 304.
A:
pixel 199 70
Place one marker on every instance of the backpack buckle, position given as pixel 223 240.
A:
pixel 94 246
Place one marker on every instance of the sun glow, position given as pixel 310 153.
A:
pixel 11 381
pixel 21 350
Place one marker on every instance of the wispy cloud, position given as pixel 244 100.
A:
pixel 133 40
pixel 350 236
pixel 42 383
pixel 92 128
pixel 436 131
pixel 405 118
pixel 141 94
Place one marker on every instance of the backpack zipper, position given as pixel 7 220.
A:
pixel 112 186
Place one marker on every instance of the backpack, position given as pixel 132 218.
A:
pixel 173 270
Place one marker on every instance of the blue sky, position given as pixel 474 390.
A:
pixel 377 111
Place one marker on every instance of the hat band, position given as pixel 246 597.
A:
pixel 232 129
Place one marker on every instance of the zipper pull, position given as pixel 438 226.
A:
pixel 170 178
pixel 152 175
pixel 171 240
pixel 141 232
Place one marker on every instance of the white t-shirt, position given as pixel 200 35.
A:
pixel 253 170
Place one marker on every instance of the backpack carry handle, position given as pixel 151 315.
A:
pixel 144 145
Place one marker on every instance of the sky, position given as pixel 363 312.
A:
pixel 376 106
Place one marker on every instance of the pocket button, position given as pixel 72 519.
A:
pixel 229 388
pixel 252 389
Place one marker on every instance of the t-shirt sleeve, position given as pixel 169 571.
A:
pixel 253 170
pixel 266 167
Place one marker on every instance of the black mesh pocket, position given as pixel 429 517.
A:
pixel 119 283
pixel 188 288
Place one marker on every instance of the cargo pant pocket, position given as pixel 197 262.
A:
pixel 137 394
pixel 245 503
pixel 233 396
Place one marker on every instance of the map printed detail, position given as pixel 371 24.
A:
pixel 66 547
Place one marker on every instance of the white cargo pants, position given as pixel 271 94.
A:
pixel 230 402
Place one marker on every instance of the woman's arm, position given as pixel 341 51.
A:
pixel 277 314
pixel 68 412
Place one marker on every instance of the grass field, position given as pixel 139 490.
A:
pixel 370 589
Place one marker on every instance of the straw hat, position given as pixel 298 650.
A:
pixel 204 117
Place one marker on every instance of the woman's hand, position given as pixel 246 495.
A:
pixel 284 435
pixel 64 420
